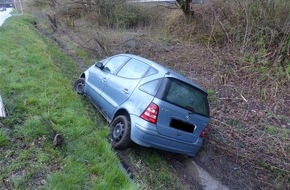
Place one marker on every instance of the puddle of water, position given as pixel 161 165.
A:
pixel 207 181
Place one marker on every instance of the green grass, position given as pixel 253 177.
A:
pixel 3 138
pixel 153 169
pixel 36 88
pixel 212 97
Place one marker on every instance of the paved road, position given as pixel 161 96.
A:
pixel 4 15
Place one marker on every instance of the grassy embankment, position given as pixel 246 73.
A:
pixel 36 87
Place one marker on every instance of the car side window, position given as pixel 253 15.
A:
pixel 115 63
pixel 151 87
pixel 151 71
pixel 134 69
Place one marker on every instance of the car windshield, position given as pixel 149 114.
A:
pixel 186 96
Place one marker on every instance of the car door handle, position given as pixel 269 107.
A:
pixel 104 79
pixel 126 91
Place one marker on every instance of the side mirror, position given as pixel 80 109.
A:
pixel 99 65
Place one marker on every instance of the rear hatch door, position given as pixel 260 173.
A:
pixel 183 111
pixel 179 123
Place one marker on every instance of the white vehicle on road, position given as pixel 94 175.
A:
pixel 4 14
pixel 2 8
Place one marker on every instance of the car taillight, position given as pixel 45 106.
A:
pixel 202 134
pixel 151 113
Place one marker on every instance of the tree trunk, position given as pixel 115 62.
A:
pixel 185 6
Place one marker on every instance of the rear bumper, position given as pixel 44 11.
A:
pixel 145 134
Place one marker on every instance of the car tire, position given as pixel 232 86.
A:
pixel 120 132
pixel 79 86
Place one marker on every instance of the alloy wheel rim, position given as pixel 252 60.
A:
pixel 80 87
pixel 118 131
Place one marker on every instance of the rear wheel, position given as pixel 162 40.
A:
pixel 120 132
pixel 79 86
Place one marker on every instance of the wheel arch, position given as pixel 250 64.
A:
pixel 122 111
pixel 83 75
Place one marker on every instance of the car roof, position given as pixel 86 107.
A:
pixel 166 71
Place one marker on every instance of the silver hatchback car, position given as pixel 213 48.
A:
pixel 147 103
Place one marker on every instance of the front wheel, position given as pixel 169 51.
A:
pixel 120 132
pixel 79 86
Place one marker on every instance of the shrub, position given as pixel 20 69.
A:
pixel 258 26
pixel 111 13
pixel 120 14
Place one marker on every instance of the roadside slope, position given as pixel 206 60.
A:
pixel 40 102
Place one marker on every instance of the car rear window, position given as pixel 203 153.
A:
pixel 186 96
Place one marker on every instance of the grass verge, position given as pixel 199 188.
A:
pixel 36 89
pixel 36 80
